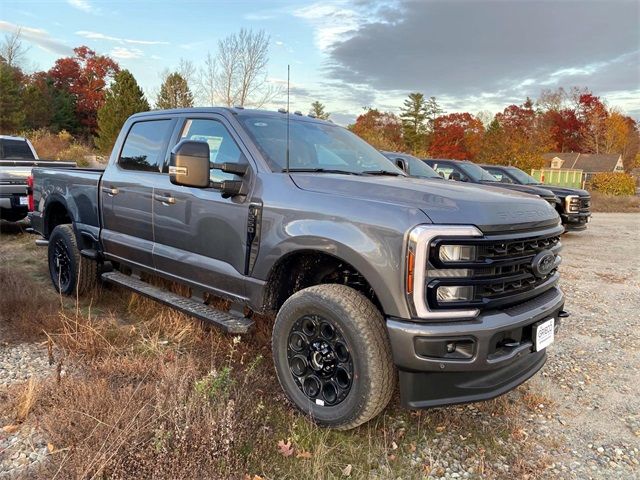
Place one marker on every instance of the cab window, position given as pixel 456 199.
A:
pixel 222 146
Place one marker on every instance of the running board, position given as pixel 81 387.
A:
pixel 227 322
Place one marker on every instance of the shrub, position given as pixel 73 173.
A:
pixel 58 146
pixel 613 183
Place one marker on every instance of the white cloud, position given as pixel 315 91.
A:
pixel 331 21
pixel 102 36
pixel 38 37
pixel 123 53
pixel 83 5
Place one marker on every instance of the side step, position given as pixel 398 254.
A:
pixel 227 322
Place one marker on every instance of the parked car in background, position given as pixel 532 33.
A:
pixel 17 158
pixel 466 171
pixel 411 165
pixel 574 207
pixel 372 275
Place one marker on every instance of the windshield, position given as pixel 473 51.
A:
pixel 314 146
pixel 419 169
pixel 476 173
pixel 522 177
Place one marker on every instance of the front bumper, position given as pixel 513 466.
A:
pixel 499 353
pixel 575 221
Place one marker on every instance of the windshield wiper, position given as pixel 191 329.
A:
pixel 320 170
pixel 382 172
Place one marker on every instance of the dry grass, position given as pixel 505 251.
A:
pixel 149 393
pixel 601 202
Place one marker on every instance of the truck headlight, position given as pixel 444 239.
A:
pixel 454 294
pixel 572 203
pixel 457 253
pixel 417 271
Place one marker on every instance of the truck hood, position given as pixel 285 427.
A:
pixel 564 191
pixel 489 208
pixel 530 189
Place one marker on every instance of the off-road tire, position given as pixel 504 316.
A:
pixel 83 272
pixel 362 326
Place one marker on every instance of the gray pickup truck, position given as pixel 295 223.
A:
pixel 372 275
pixel 17 158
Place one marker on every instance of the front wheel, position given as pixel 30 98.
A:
pixel 332 355
pixel 70 272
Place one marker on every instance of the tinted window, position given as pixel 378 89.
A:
pixel 16 149
pixel 144 145
pixel 222 147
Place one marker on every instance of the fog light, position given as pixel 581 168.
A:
pixel 457 253
pixel 454 294
pixel 451 347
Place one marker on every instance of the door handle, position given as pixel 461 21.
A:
pixel 167 200
pixel 111 191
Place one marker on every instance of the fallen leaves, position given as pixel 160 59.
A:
pixel 10 428
pixel 284 448
pixel 346 471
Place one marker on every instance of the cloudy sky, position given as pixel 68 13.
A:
pixel 471 54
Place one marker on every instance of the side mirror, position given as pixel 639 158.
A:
pixel 455 176
pixel 505 179
pixel 189 164
pixel 401 163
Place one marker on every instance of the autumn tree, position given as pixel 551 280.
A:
pixel 414 122
pixel 317 109
pixel 11 105
pixel 592 114
pixel 85 76
pixel 524 136
pixel 174 93
pixel 494 147
pixel 123 99
pixel 383 130
pixel 457 135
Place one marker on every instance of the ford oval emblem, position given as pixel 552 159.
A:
pixel 543 263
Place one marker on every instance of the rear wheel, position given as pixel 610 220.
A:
pixel 332 355
pixel 70 272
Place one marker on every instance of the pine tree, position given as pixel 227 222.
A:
pixel 433 111
pixel 11 111
pixel 174 93
pixel 317 109
pixel 123 99
pixel 414 116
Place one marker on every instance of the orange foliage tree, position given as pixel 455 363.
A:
pixel 383 130
pixel 456 135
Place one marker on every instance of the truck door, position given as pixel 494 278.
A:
pixel 126 192
pixel 200 236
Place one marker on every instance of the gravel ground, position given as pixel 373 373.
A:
pixel 588 424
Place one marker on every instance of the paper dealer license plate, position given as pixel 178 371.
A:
pixel 24 201
pixel 543 333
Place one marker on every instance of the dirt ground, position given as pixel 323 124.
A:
pixel 579 417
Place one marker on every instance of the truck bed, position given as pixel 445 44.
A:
pixel 76 189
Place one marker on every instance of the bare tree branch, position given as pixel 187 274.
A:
pixel 12 49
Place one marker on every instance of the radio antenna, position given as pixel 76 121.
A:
pixel 288 75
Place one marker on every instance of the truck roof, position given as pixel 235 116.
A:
pixel 12 137
pixel 237 111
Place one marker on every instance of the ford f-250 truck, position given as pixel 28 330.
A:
pixel 371 274
pixel 574 207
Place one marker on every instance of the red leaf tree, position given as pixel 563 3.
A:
pixel 85 76
pixel 456 135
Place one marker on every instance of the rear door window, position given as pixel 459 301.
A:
pixel 145 145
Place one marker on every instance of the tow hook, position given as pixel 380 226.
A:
pixel 563 314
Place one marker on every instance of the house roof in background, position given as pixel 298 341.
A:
pixel 587 162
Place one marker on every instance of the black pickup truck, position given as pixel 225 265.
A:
pixel 374 277
pixel 469 172
pixel 574 206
